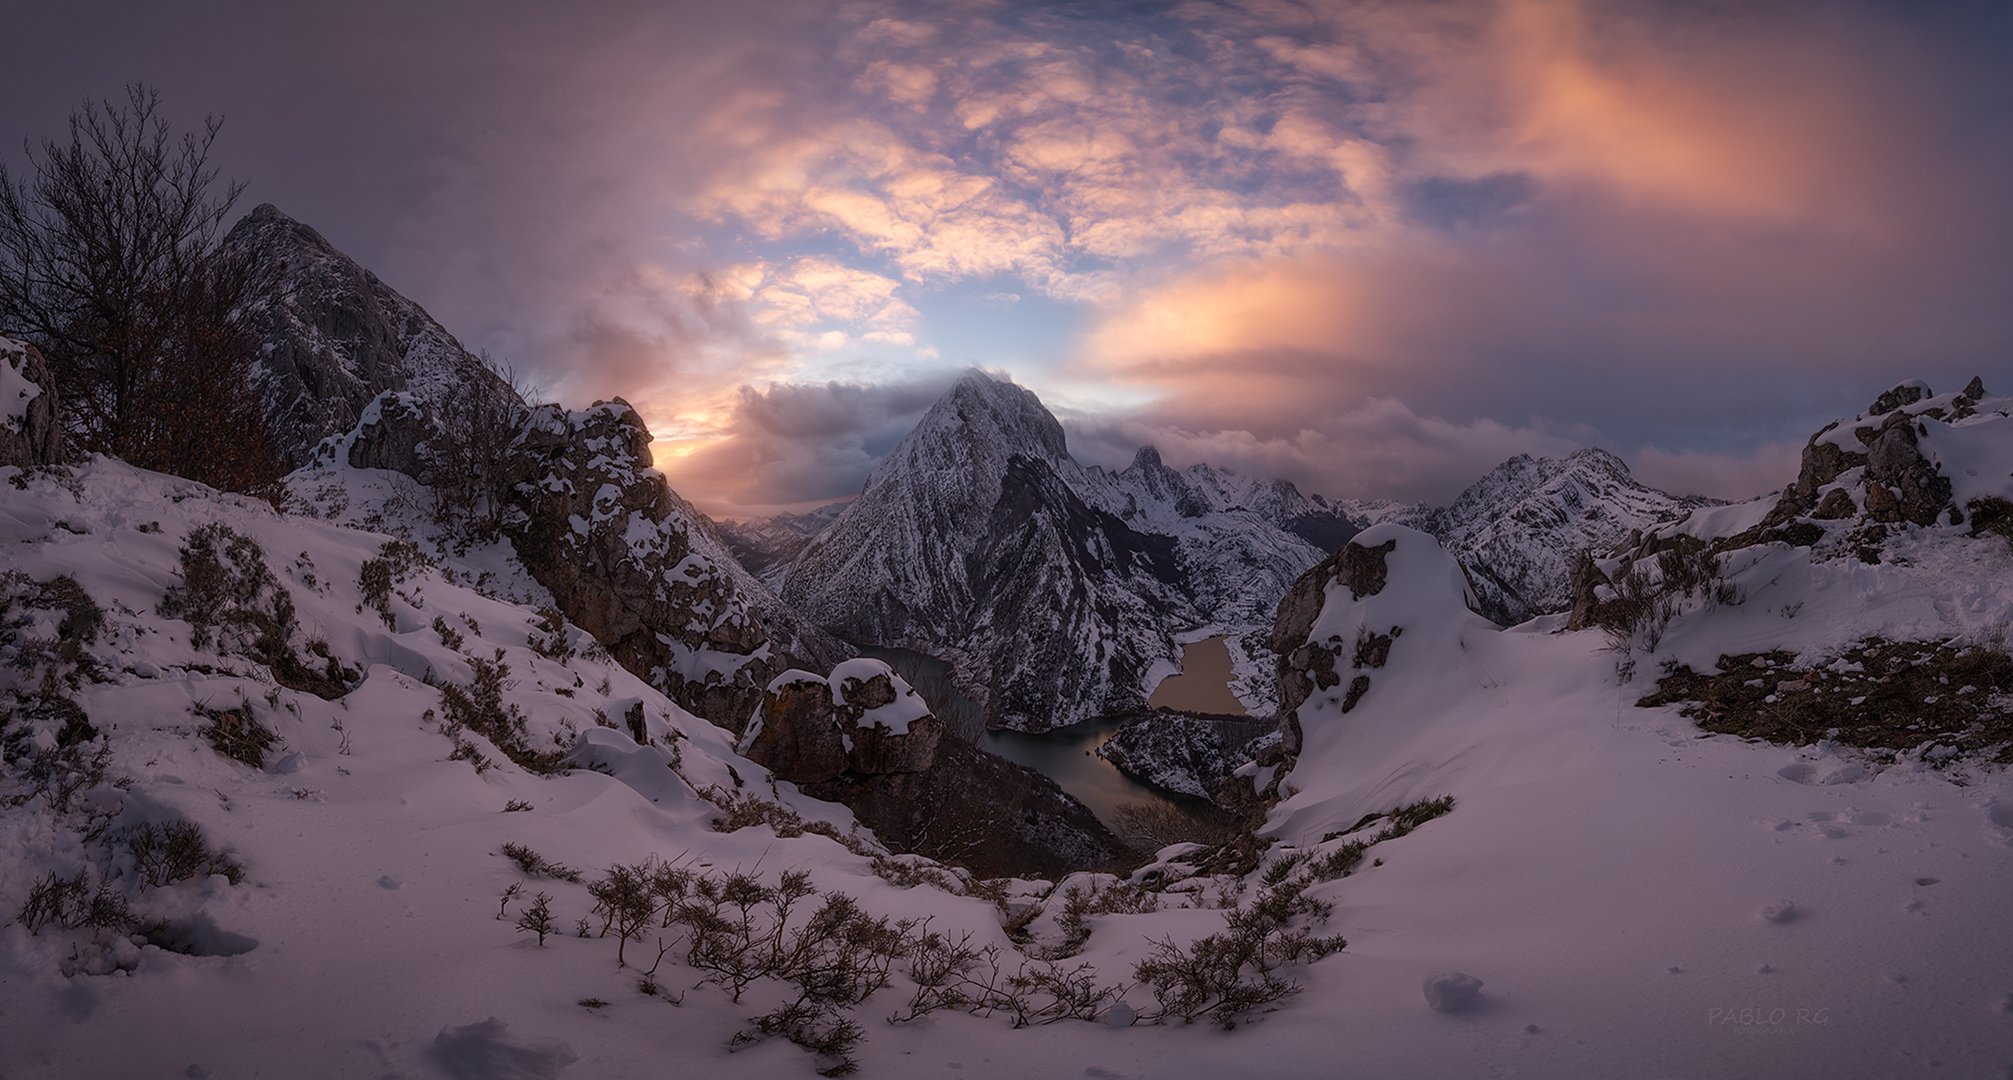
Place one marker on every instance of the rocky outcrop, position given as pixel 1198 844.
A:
pixel 392 434
pixel 29 431
pixel 335 337
pixel 1306 665
pixel 1872 467
pixel 862 719
pixel 620 554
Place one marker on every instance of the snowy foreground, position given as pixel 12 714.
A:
pixel 1636 898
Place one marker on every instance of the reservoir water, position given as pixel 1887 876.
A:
pixel 1204 682
pixel 1068 755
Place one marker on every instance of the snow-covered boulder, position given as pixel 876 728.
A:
pixel 863 719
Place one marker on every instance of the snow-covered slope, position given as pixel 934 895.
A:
pixel 1637 897
pixel 1058 593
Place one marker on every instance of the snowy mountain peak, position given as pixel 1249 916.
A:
pixel 997 412
pixel 1055 591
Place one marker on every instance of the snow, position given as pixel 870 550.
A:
pixel 1638 898
pixel 1452 991
pixel 16 392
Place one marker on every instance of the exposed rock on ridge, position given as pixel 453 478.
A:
pixel 29 431
pixel 335 337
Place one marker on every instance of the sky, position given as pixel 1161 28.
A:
pixel 1372 248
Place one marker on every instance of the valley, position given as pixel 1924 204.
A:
pixel 535 764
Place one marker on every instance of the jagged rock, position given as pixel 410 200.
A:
pixel 29 431
pixel 1903 394
pixel 864 719
pixel 795 733
pixel 335 337
pixel 1898 482
pixel 1835 504
pixel 617 549
pixel 1587 576
pixel 391 433
pixel 1305 666
pixel 1824 459
pixel 1921 492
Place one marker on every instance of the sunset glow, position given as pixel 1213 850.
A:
pixel 1332 241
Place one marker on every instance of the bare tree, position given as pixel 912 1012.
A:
pixel 109 263
pixel 468 466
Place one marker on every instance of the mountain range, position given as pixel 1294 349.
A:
pixel 1059 592
pixel 372 783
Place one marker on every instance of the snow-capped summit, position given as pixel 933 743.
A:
pixel 1056 592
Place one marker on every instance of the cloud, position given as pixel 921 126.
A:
pixel 1707 227
pixel 1770 467
pixel 794 446
pixel 1380 449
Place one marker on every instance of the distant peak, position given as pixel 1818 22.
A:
pixel 1147 457
pixel 266 211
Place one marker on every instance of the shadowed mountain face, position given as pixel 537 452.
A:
pixel 1056 592
pixel 335 337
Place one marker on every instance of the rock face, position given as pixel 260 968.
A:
pixel 1880 467
pixel 335 337
pixel 863 719
pixel 1055 591
pixel 630 562
pixel 1306 664
pixel 863 737
pixel 29 432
